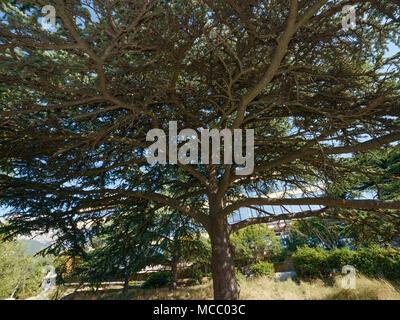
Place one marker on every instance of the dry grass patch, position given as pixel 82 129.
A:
pixel 331 289
pixel 262 289
pixel 200 292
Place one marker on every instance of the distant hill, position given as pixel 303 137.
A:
pixel 32 246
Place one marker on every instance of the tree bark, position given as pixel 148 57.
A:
pixel 225 284
pixel 174 272
pixel 126 281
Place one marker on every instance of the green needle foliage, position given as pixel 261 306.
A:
pixel 77 101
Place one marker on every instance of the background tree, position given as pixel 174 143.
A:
pixel 132 241
pixel 316 232
pixel 254 244
pixel 120 248
pixel 384 183
pixel 21 274
pixel 378 177
pixel 183 243
pixel 77 102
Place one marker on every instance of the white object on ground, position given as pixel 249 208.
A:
pixel 283 276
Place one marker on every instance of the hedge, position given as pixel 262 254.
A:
pixel 263 268
pixel 157 280
pixel 317 262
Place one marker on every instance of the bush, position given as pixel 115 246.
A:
pixel 157 280
pixel 263 268
pixel 338 258
pixel 317 262
pixel 239 275
pixel 310 262
pixel 277 254
pixel 378 262
pixel 197 275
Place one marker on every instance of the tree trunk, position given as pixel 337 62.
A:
pixel 225 284
pixel 126 283
pixel 174 272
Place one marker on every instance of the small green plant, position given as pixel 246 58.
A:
pixel 157 280
pixel 239 275
pixel 197 275
pixel 310 262
pixel 263 268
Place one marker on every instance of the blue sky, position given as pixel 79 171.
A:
pixel 393 49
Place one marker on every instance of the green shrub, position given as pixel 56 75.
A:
pixel 378 262
pixel 277 254
pixel 338 258
pixel 239 275
pixel 197 275
pixel 157 280
pixel 310 262
pixel 373 261
pixel 263 268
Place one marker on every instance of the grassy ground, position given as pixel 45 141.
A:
pixel 262 289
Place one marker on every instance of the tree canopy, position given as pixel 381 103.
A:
pixel 78 100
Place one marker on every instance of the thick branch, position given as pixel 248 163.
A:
pixel 287 216
pixel 283 42
pixel 279 53
pixel 173 203
pixel 340 203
